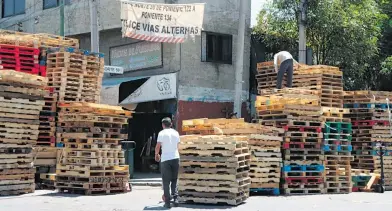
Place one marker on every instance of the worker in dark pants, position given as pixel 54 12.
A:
pixel 287 63
pixel 169 139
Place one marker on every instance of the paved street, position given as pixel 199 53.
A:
pixel 148 198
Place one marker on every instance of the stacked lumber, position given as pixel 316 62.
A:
pixel 21 99
pixel 297 111
pixel 266 163
pixel 92 160
pixel 75 75
pixel 214 169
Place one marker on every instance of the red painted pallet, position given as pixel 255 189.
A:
pixel 301 145
pixel 46 139
pixel 370 123
pixel 20 62
pixel 42 71
pixel 304 180
pixel 19 50
pixel 303 129
pixel 31 70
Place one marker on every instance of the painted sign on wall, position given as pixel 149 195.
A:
pixel 158 87
pixel 137 56
pixel 170 23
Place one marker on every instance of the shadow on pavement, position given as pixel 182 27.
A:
pixel 155 207
pixel 205 206
pixel 58 194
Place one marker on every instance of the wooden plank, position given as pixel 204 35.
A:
pixel 226 177
pixel 207 189
pixel 17 97
pixel 24 78
pixel 17 187
pixel 24 90
pixel 21 121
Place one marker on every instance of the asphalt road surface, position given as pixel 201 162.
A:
pixel 149 198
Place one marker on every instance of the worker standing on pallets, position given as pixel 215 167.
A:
pixel 169 139
pixel 287 63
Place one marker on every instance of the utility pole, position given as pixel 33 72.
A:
pixel 302 31
pixel 94 26
pixel 62 18
pixel 244 4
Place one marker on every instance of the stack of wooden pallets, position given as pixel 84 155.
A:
pixel 36 40
pixel 369 115
pixel 266 163
pixel 360 179
pixel 47 127
pixel 19 58
pixel 220 126
pixel 51 40
pixel 214 169
pixel 75 75
pixel 297 111
pixel 337 149
pixel 21 99
pixel 264 143
pixel 92 161
pixel 326 80
pixel 266 76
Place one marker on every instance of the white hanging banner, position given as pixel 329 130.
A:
pixel 170 23
pixel 158 87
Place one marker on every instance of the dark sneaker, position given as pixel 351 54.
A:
pixel 175 203
pixel 167 206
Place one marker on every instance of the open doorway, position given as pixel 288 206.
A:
pixel 144 129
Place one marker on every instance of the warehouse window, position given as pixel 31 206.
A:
pixel 13 7
pixel 217 48
pixel 51 3
pixel 54 3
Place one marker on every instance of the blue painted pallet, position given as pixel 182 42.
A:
pixel 303 168
pixel 386 152
pixel 366 105
pixel 338 148
pixel 266 191
pixel 42 62
pixel 61 145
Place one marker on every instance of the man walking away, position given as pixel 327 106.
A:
pixel 169 139
pixel 286 62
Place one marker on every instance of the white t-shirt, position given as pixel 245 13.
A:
pixel 281 57
pixel 169 139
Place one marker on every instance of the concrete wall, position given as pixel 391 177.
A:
pixel 113 37
pixel 198 82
